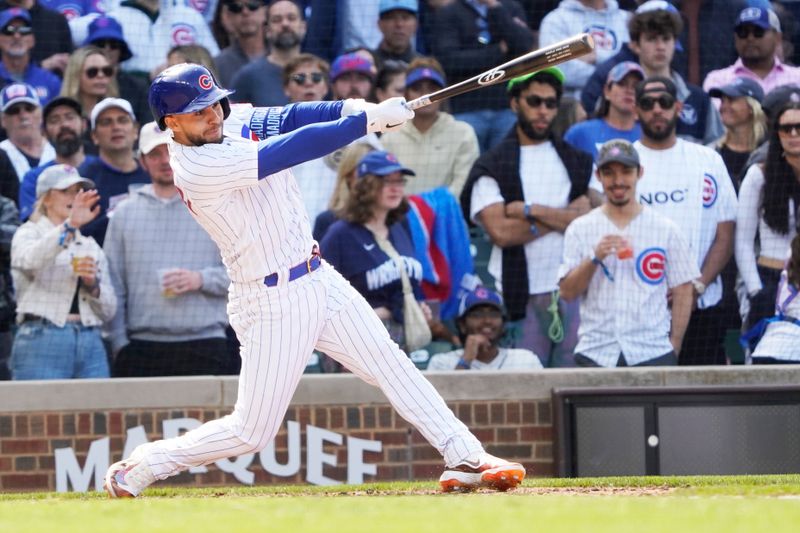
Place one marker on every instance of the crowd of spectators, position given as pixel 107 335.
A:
pixel 634 206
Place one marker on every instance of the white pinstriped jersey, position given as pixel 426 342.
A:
pixel 781 338
pixel 628 315
pixel 260 226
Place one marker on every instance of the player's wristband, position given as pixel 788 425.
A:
pixel 603 266
pixel 463 364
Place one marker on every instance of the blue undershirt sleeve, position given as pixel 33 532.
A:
pixel 266 122
pixel 309 142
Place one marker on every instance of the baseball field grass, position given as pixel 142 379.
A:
pixel 642 505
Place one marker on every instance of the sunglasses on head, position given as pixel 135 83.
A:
pixel 93 72
pixel 18 108
pixel 536 101
pixel 236 8
pixel 113 44
pixel 756 31
pixel 22 30
pixel 647 103
pixel 300 79
pixel 789 128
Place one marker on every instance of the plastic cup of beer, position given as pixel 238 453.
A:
pixel 166 292
pixel 625 251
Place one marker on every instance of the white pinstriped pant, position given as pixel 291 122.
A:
pixel 278 327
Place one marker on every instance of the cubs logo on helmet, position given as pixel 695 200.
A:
pixel 205 81
pixel 651 264
pixel 710 190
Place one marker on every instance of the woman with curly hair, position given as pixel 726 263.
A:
pixel 372 216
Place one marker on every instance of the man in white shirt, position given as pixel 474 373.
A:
pixel 689 184
pixel 624 260
pixel 481 321
pixel 524 192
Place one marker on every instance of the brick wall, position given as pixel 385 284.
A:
pixel 519 430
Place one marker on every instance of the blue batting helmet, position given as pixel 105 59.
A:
pixel 185 88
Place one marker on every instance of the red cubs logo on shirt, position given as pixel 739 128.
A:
pixel 710 190
pixel 650 265
pixel 70 11
pixel 16 90
pixel 604 38
pixel 205 82
pixel 182 34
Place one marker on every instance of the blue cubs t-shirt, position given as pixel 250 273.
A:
pixel 352 250
pixel 589 135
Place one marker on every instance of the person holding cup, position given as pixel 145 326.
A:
pixel 624 260
pixel 64 294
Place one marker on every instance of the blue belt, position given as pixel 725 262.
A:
pixel 297 271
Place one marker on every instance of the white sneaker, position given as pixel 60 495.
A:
pixel 128 478
pixel 487 471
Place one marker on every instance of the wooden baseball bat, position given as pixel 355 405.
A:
pixel 542 58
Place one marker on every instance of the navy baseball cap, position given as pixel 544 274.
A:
pixel 424 73
pixel 738 88
pixel 12 13
pixel 763 18
pixel 381 164
pixel 480 296
pixel 17 93
pixel 107 28
pixel 617 151
pixel 658 84
pixel 780 96
pixel 352 62
pixel 59 101
pixel 406 5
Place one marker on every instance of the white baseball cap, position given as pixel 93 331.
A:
pixel 151 136
pixel 108 103
pixel 60 177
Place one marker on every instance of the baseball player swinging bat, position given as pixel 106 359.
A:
pixel 549 56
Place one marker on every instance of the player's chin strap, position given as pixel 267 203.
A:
pixel 556 329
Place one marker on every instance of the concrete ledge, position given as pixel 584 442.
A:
pixel 214 392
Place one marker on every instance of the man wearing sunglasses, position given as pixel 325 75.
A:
pixel 248 18
pixel 259 82
pixel 524 192
pixel 688 183
pixel 756 35
pixel 16 45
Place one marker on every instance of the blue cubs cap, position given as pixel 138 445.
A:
pixel 17 93
pixel 480 296
pixel 620 70
pixel 107 28
pixel 424 73
pixel 381 164
pixel 7 15
pixel 352 62
pixel 738 88
pixel 406 5
pixel 763 18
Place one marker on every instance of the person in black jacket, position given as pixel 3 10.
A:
pixel 524 192
pixel 470 37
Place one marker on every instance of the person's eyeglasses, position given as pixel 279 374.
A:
pixel 236 8
pixel 113 44
pixel 395 182
pixel 647 103
pixel 93 72
pixel 300 79
pixel 536 101
pixel 790 128
pixel 756 31
pixel 22 30
pixel 18 108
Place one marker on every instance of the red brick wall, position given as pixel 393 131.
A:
pixel 519 430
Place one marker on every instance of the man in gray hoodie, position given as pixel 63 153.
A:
pixel 169 279
pixel 603 19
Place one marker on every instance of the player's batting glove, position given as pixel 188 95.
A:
pixel 354 106
pixel 388 115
